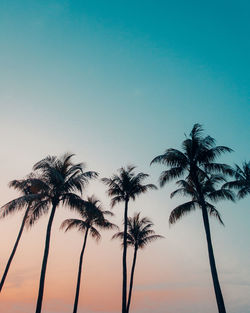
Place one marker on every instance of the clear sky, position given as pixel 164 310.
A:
pixel 118 82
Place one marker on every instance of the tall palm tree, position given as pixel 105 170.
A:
pixel 197 158
pixel 123 187
pixel 61 179
pixel 140 234
pixel 30 190
pixel 92 217
pixel 242 180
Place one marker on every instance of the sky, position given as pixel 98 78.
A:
pixel 116 83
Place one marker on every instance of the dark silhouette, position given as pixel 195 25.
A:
pixel 197 160
pixel 211 193
pixel 61 179
pixel 92 216
pixel 140 234
pixel 242 180
pixel 30 189
pixel 123 187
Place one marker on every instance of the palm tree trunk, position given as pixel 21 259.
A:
pixel 217 289
pixel 45 259
pixel 124 260
pixel 14 249
pixel 79 273
pixel 216 283
pixel 131 279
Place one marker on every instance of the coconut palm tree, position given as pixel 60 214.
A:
pixel 194 162
pixel 30 189
pixel 140 234
pixel 92 217
pixel 61 179
pixel 242 180
pixel 123 187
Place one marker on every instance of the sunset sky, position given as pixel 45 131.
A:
pixel 118 82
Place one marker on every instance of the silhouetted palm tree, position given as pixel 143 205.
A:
pixel 61 179
pixel 92 216
pixel 123 187
pixel 140 234
pixel 242 180
pixel 196 159
pixel 30 189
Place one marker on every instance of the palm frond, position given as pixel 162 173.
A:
pixel 149 239
pixel 213 212
pixel 181 210
pixel 116 200
pixel 221 194
pixel 72 223
pixel 168 175
pixel 242 180
pixel 243 192
pixel 36 211
pixel 218 168
pixel 72 200
pixel 216 152
pixel 95 233
pixel 19 203
pixel 182 192
pixel 171 157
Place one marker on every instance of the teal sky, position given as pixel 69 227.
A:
pixel 118 82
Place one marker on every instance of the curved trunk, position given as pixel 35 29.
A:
pixel 131 280
pixel 217 289
pixel 124 260
pixel 79 273
pixel 14 249
pixel 45 259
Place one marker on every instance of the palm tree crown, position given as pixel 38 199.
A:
pixel 60 179
pixel 126 185
pixel 197 158
pixel 140 232
pixel 92 216
pixel 31 189
pixel 211 192
pixel 242 180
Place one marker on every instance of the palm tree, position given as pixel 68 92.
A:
pixel 197 158
pixel 30 189
pixel 61 179
pixel 123 187
pixel 140 234
pixel 242 180
pixel 92 216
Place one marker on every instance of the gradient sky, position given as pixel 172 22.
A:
pixel 118 82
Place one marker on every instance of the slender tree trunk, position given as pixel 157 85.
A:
pixel 131 280
pixel 14 249
pixel 45 259
pixel 217 289
pixel 216 283
pixel 79 273
pixel 124 260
